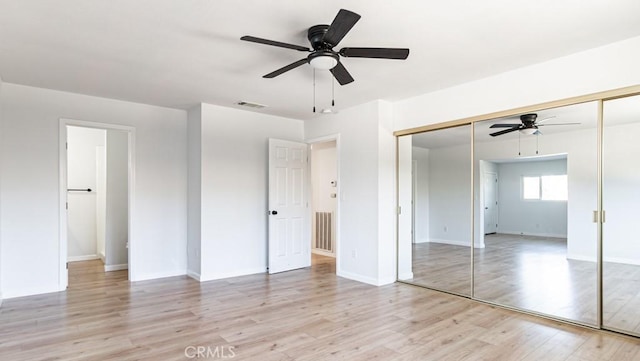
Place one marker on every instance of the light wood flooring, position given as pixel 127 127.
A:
pixel 533 273
pixel 307 314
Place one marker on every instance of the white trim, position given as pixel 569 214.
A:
pixel 421 240
pixel 627 261
pixel 322 252
pixel 157 275
pixel 328 138
pixel 405 276
pixel 223 275
pixel 102 258
pixel 30 292
pixel 1 299
pixel 549 235
pixel 194 275
pixel 366 279
pixel 89 257
pixel 62 215
pixel 115 267
pixel 454 242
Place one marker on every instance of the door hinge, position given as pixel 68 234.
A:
pixel 399 210
pixel 66 146
pixel 67 265
pixel 67 205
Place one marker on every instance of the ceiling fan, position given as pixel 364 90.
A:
pixel 528 125
pixel 323 39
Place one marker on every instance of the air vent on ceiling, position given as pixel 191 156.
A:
pixel 251 105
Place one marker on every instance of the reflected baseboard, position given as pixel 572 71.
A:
pixel 405 276
pixel 454 242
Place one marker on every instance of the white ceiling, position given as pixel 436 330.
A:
pixel 177 53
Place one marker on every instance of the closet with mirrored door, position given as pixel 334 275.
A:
pixel 533 209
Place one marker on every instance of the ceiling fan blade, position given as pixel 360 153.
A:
pixel 253 39
pixel 544 119
pixel 546 125
pixel 504 125
pixel 285 69
pixel 341 74
pixel 505 131
pixel 378 53
pixel 343 22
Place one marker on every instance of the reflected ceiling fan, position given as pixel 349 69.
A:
pixel 528 125
pixel 323 39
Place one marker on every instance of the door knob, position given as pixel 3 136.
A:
pixel 274 212
pixel 486 207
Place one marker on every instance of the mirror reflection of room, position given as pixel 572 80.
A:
pixel 621 202
pixel 535 191
pixel 435 228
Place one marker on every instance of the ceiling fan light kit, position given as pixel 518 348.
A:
pixel 528 125
pixel 323 38
pixel 323 60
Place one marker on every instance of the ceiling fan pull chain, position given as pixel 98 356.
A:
pixel 314 90
pixel 537 137
pixel 519 143
pixel 333 94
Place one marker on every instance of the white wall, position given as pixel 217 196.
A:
pixel 421 194
pixel 194 144
pixel 234 190
pixel 82 171
pixel 117 214
pixel 30 184
pixel 608 67
pixel 530 217
pixel 621 191
pixel 367 172
pixel 450 195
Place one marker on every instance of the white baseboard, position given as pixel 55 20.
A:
pixel 102 258
pixel 322 252
pixel 366 279
pixel 157 275
pixel 194 275
pixel 0 299
pixel 454 242
pixel 421 240
pixel 223 275
pixel 532 234
pixel 405 276
pixel 89 257
pixel 29 292
pixel 115 267
pixel 628 261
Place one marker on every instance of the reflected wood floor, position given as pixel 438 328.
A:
pixel 533 273
pixel 307 314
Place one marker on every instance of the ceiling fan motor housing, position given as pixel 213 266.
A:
pixel 316 36
pixel 528 120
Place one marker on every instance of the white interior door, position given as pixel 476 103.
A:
pixel 289 230
pixel 490 187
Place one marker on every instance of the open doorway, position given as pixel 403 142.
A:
pixel 324 203
pixel 96 191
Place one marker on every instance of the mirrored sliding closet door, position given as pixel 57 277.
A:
pixel 621 205
pixel 535 190
pixel 434 178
